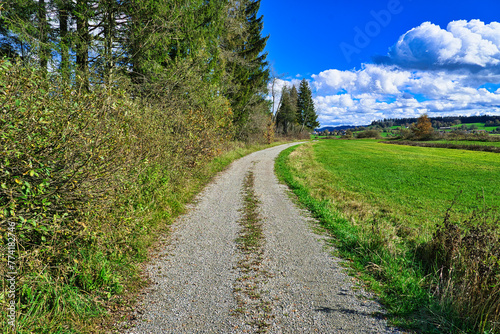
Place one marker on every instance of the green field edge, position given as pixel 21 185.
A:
pixel 398 282
pixel 453 145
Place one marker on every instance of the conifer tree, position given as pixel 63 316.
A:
pixel 294 100
pixel 287 113
pixel 306 113
pixel 247 66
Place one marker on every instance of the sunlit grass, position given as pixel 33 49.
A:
pixel 384 203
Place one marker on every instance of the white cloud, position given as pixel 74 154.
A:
pixel 429 70
pixel 463 43
pixel 371 79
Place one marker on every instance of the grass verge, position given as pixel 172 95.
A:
pixel 377 247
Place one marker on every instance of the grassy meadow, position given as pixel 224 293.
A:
pixel 408 184
pixel 418 224
pixel 479 126
pixel 467 142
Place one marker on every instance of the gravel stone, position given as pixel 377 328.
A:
pixel 306 289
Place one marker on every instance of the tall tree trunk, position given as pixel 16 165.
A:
pixel 108 40
pixel 136 29
pixel 83 41
pixel 63 32
pixel 43 35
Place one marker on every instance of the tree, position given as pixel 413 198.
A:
pixel 274 94
pixel 306 113
pixel 21 29
pixel 83 40
pixel 423 126
pixel 64 10
pixel 43 30
pixel 246 62
pixel 287 113
pixel 294 100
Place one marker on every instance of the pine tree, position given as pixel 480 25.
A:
pixel 287 113
pixel 246 65
pixel 306 113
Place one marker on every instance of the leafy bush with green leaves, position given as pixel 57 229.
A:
pixel 88 178
pixel 369 134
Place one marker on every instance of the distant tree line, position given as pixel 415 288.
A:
pixel 438 122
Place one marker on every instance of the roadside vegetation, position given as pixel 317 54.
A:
pixel 113 115
pixel 458 145
pixel 421 226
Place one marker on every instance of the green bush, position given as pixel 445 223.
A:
pixel 87 179
pixel 466 257
pixel 369 134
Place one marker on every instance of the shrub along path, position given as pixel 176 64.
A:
pixel 245 259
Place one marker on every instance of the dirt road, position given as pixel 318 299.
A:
pixel 294 285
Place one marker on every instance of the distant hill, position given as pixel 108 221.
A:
pixel 436 122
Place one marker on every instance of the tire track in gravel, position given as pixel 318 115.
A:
pixel 195 277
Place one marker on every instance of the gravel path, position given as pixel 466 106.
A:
pixel 302 286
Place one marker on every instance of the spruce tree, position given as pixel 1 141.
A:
pixel 247 66
pixel 306 113
pixel 294 100
pixel 287 113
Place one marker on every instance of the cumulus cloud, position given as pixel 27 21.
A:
pixel 471 45
pixel 429 70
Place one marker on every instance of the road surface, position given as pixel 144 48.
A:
pixel 295 285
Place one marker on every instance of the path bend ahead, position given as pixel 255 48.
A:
pixel 299 288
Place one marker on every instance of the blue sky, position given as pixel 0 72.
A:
pixel 368 60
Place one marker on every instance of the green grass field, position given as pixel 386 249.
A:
pixel 466 142
pixel 411 184
pixel 480 126
pixel 383 203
